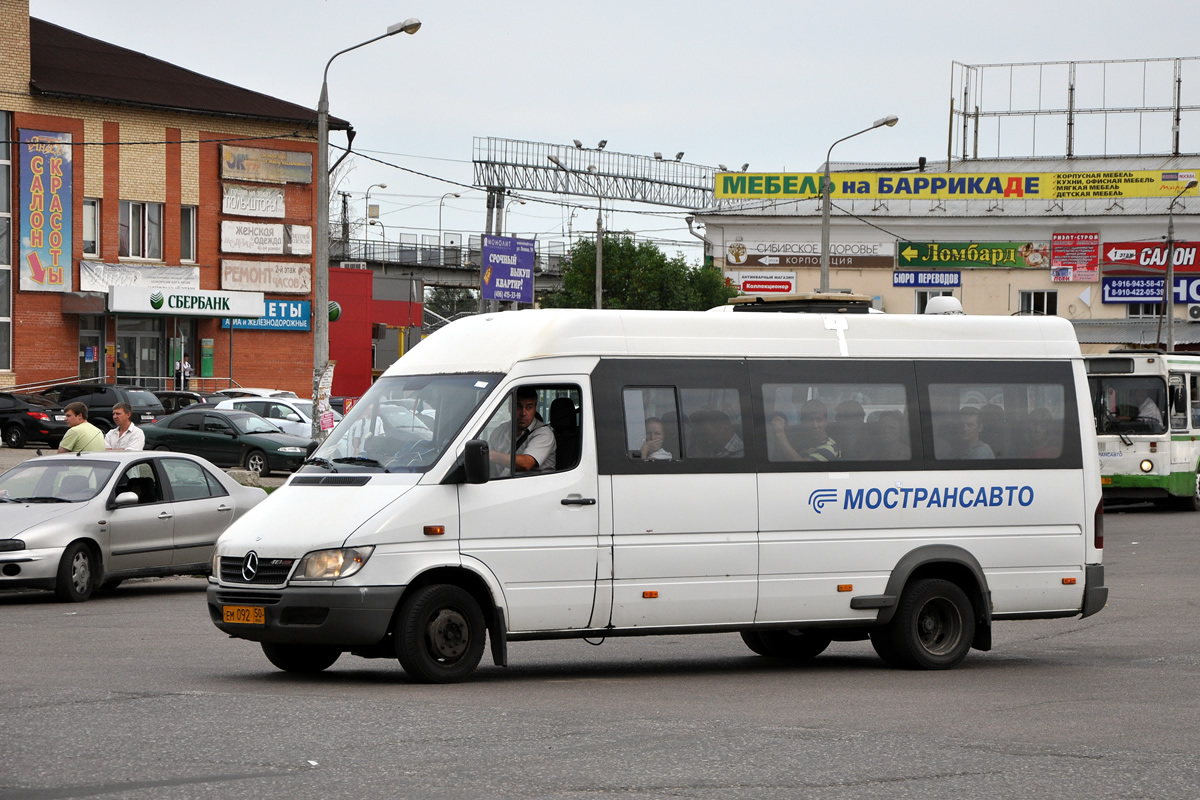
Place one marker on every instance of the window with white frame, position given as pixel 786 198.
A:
pixel 1143 310
pixel 924 295
pixel 6 283
pixel 91 226
pixel 141 230
pixel 1043 303
pixel 187 233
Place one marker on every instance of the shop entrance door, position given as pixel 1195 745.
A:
pixel 139 354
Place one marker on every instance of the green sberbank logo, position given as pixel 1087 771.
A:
pixel 156 300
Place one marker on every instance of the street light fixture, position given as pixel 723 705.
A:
pixel 599 228
pixel 441 244
pixel 320 311
pixel 367 204
pixel 889 121
pixel 382 236
pixel 506 212
pixel 1169 283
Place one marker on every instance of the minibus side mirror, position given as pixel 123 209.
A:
pixel 477 461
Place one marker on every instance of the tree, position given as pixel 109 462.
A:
pixel 446 302
pixel 638 276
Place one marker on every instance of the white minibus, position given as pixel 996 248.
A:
pixel 797 479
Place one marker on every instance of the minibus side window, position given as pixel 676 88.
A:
pixel 979 422
pixel 651 424
pixel 819 422
pixel 712 423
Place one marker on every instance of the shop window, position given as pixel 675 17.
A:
pixel 923 296
pixel 1039 302
pixel 1143 310
pixel 141 230
pixel 91 227
pixel 187 233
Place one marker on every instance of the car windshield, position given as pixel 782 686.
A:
pixel 1128 403
pixel 250 423
pixel 381 432
pixel 305 409
pixel 62 481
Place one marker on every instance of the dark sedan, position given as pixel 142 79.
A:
pixel 228 439
pixel 174 400
pixel 31 418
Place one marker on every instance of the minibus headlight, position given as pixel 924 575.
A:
pixel 329 565
pixel 1147 465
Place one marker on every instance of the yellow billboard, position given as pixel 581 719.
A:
pixel 954 186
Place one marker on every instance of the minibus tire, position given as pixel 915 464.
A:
pixel 789 645
pixel 933 627
pixel 439 634
pixel 301 658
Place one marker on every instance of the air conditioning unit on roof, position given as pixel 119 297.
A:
pixel 354 265
pixel 1193 312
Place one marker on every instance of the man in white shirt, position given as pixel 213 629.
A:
pixel 126 435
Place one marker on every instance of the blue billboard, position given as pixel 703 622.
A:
pixel 508 269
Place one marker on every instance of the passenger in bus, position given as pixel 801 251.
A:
pixel 1043 442
pixel 652 446
pixel 814 444
pixel 849 428
pixel 971 446
pixel 536 446
pixel 714 435
pixel 993 429
pixel 891 440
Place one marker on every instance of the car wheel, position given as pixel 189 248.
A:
pixel 933 628
pixel 14 437
pixel 789 645
pixel 439 634
pixel 77 572
pixel 162 447
pixel 300 658
pixel 256 462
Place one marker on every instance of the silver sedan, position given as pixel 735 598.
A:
pixel 79 522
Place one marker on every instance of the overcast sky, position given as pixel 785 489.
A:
pixel 769 83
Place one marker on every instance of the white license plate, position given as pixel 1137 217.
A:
pixel 147 417
pixel 60 417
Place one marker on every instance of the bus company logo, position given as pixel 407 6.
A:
pixel 821 498
pixel 920 497
pixel 156 300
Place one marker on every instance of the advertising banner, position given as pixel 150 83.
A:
pixel 954 185
pixel 1075 257
pixel 766 282
pixel 280 277
pixel 252 201
pixel 45 211
pixel 1133 289
pixel 98 276
pixel 508 269
pixel 265 238
pixel 185 303
pixel 265 166
pixel 324 407
pixel 1147 258
pixel 852 255
pixel 986 255
pixel 927 279
pixel 282 315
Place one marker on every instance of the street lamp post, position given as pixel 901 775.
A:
pixel 599 229
pixel 320 311
pixel 382 236
pixel 441 244
pixel 1169 283
pixel 507 207
pixel 367 206
pixel 889 121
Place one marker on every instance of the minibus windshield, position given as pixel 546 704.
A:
pixel 1128 403
pixel 402 424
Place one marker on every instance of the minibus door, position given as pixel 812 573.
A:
pixel 537 533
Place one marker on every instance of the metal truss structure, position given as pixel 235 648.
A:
pixel 1059 109
pixel 502 164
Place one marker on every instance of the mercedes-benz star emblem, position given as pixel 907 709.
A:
pixel 250 566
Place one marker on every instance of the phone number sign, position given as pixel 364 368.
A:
pixel 1150 290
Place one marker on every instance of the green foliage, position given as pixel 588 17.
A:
pixel 446 302
pixel 637 276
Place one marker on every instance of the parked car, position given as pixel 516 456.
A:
pixel 242 391
pixel 101 397
pixel 229 438
pixel 291 414
pixel 31 418
pixel 174 400
pixel 162 515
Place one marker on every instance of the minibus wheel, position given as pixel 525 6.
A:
pixel 439 634
pixel 790 645
pixel 933 627
pixel 300 657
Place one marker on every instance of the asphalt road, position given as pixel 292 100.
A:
pixel 137 695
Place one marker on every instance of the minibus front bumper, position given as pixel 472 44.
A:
pixel 351 616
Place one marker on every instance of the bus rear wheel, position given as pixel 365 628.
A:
pixel 933 627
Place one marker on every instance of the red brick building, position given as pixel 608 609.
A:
pixel 148 211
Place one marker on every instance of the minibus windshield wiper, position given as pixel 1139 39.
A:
pixel 366 462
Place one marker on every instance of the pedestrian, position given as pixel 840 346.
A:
pixel 81 436
pixel 183 372
pixel 126 435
